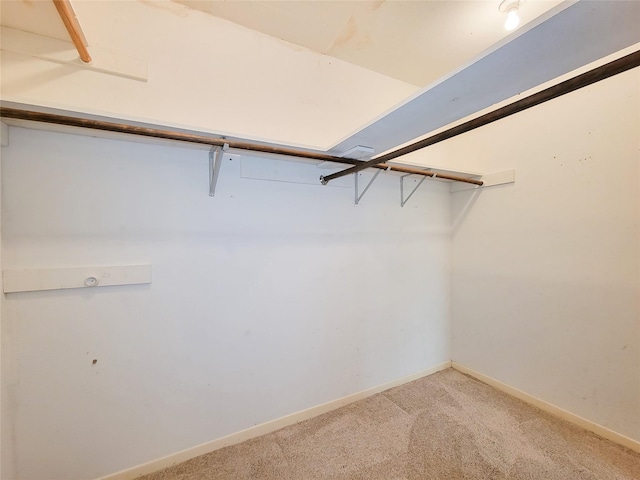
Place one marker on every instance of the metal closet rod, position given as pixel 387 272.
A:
pixel 53 118
pixel 597 74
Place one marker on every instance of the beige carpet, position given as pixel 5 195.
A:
pixel 446 426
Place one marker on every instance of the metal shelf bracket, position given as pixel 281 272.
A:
pixel 215 161
pixel 359 197
pixel 403 200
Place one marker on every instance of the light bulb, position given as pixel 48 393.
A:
pixel 513 20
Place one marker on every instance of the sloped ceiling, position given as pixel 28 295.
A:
pixel 413 41
pixel 457 51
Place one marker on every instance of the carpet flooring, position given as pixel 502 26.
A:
pixel 445 426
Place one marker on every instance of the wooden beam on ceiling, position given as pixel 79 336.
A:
pixel 68 16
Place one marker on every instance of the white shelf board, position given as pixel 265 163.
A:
pixel 563 40
pixel 30 280
pixel 490 180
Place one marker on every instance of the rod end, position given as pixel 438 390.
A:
pixel 323 181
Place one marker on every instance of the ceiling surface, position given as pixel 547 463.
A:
pixel 414 41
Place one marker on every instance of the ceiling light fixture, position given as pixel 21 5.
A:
pixel 511 7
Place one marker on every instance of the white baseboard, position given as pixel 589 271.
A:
pixel 552 409
pixel 263 428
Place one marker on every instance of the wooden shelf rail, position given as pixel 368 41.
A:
pixel 70 121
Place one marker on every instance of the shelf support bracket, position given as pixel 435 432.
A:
pixel 215 161
pixel 359 197
pixel 403 201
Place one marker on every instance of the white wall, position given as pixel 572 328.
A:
pixel 233 331
pixel 207 74
pixel 267 299
pixel 4 449
pixel 546 272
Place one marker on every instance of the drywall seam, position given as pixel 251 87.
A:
pixel 264 428
pixel 552 409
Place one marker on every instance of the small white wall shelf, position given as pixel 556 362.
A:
pixel 491 179
pixel 75 277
